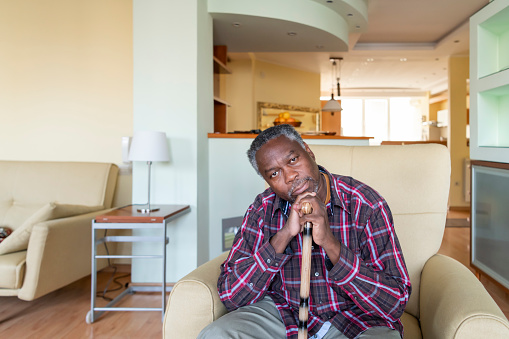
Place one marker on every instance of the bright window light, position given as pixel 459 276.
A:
pixel 395 118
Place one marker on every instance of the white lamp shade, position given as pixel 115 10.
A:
pixel 149 146
pixel 332 106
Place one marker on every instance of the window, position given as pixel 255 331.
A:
pixel 396 118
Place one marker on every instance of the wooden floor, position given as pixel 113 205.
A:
pixel 61 314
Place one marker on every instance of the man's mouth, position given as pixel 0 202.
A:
pixel 301 186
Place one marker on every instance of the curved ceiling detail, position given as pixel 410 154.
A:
pixel 286 25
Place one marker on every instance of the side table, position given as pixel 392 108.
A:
pixel 128 218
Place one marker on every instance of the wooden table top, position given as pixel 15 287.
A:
pixel 129 214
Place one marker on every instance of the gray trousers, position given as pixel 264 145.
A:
pixel 261 321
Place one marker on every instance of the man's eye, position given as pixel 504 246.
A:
pixel 292 160
pixel 274 174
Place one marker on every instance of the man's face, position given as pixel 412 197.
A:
pixel 289 169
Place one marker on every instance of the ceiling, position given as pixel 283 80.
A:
pixel 404 47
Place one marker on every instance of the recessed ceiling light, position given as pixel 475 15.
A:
pixel 330 1
pixel 456 41
pixel 292 33
pixel 402 59
pixel 319 46
pixel 236 24
pixel 350 14
pixel 358 27
pixel 370 59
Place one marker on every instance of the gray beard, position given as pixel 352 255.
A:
pixel 298 183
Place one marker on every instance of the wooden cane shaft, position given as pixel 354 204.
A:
pixel 305 275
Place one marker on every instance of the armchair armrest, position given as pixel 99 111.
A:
pixel 59 253
pixel 454 304
pixel 194 301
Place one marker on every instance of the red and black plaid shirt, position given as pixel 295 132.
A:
pixel 369 286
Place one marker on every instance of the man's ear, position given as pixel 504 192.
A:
pixel 310 152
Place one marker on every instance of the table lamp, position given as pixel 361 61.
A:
pixel 149 146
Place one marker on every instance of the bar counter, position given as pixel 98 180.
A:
pixel 304 136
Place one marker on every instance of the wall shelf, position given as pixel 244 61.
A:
pixel 489 83
pixel 489 139
pixel 220 67
pixel 493 42
pixel 220 106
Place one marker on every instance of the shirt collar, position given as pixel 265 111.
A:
pixel 336 198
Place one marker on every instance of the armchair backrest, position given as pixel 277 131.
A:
pixel 414 180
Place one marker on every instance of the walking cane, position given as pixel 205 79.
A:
pixel 305 273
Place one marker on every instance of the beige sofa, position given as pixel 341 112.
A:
pixel 447 300
pixel 50 206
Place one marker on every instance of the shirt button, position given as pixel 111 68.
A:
pixel 277 264
pixel 317 274
pixel 312 247
pixel 251 284
pixel 268 261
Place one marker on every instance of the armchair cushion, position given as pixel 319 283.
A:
pixel 18 240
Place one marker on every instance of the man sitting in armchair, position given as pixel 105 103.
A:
pixel 359 283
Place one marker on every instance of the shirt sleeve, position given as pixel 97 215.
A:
pixel 251 264
pixel 376 280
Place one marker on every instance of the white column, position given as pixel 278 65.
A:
pixel 172 42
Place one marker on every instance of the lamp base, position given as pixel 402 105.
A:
pixel 147 210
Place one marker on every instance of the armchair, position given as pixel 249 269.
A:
pixel 447 300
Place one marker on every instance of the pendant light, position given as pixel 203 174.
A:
pixel 333 105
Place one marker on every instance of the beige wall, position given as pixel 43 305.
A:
pixel 435 107
pixel 238 92
pixel 66 81
pixel 254 81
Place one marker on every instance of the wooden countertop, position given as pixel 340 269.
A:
pixel 252 136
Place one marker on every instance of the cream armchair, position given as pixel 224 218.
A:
pixel 447 300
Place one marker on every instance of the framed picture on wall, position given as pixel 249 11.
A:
pixel 304 119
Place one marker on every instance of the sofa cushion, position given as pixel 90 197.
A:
pixel 14 213
pixel 18 240
pixel 12 270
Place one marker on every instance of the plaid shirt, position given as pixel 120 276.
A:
pixel 369 286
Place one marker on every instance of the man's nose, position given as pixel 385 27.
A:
pixel 290 175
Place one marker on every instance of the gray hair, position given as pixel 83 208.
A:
pixel 269 134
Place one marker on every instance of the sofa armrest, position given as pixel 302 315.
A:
pixel 59 253
pixel 194 301
pixel 454 304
